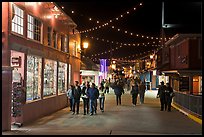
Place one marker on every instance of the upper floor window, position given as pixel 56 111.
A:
pixel 55 39
pixel 17 20
pixel 75 49
pixel 62 43
pixel 49 35
pixel 66 44
pixel 34 28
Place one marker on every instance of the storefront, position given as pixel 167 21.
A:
pixel 39 78
pixel 90 76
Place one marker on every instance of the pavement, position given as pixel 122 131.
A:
pixel 124 119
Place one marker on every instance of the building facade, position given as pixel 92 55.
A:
pixel 181 60
pixel 40 58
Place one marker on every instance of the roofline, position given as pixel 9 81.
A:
pixel 179 37
pixel 70 19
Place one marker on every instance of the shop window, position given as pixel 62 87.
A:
pixel 62 77
pixel 34 28
pixel 49 35
pixel 33 83
pixel 50 77
pixel 17 19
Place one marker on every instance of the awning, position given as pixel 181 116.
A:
pixel 183 72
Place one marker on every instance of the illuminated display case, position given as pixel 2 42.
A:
pixel 33 83
pixel 62 77
pixel 50 77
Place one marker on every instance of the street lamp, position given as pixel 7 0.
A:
pixel 85 46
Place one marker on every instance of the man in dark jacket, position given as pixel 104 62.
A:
pixel 161 95
pixel 85 98
pixel 169 96
pixel 92 94
pixel 134 92
pixel 118 89
pixel 77 95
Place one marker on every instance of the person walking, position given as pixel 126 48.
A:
pixel 118 90
pixel 101 99
pixel 169 95
pixel 77 95
pixel 70 96
pixel 106 85
pixel 134 92
pixel 161 95
pixel 85 98
pixel 142 89
pixel 92 94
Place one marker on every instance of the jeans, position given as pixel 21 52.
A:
pixel 102 100
pixel 92 106
pixel 71 102
pixel 86 105
pixel 76 102
pixel 134 98
pixel 118 99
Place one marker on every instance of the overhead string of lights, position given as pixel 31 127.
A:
pixel 153 44
pixel 138 35
pixel 138 56
pixel 112 20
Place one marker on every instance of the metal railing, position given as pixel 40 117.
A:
pixel 193 103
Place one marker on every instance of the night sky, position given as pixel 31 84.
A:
pixel 146 20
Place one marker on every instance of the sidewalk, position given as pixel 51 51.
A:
pixel 143 119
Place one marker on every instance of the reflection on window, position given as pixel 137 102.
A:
pixel 50 77
pixel 66 44
pixel 33 88
pixel 62 77
pixel 17 20
pixel 70 67
pixel 34 28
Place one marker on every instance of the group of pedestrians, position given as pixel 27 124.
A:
pixel 165 93
pixel 89 94
pixel 138 89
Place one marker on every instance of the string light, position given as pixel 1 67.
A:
pixel 114 19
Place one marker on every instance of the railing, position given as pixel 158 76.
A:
pixel 192 103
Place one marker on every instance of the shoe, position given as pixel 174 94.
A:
pixel 102 110
pixel 84 113
pixel 73 113
pixel 91 114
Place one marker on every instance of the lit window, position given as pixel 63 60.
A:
pixel 66 44
pixel 50 77
pixel 62 77
pixel 17 20
pixel 33 82
pixel 34 28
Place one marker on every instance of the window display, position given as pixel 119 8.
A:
pixel 62 77
pixel 50 77
pixel 33 87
